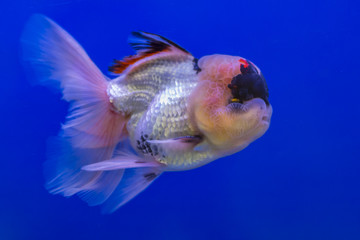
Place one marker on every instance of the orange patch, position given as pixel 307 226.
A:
pixel 244 62
pixel 120 65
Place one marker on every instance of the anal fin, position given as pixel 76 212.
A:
pixel 134 181
pixel 137 174
pixel 121 163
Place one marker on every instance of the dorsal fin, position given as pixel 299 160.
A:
pixel 145 44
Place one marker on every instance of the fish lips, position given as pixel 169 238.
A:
pixel 263 110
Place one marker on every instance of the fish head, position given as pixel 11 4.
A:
pixel 230 105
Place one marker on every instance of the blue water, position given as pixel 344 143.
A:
pixel 301 180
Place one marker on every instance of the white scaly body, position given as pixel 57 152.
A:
pixel 155 94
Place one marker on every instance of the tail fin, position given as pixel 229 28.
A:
pixel 92 129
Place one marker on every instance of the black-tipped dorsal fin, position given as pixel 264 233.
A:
pixel 145 44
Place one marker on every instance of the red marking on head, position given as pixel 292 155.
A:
pixel 244 62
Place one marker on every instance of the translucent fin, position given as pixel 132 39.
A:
pixel 92 129
pixel 179 143
pixel 64 176
pixel 58 60
pixel 146 45
pixel 134 181
pixel 144 42
pixel 121 163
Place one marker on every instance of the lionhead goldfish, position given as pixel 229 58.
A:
pixel 165 111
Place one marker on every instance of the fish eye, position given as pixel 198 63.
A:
pixel 247 86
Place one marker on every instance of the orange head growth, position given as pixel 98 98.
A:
pixel 229 122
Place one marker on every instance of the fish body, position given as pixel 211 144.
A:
pixel 155 95
pixel 176 112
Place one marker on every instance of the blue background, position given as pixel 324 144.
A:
pixel 301 180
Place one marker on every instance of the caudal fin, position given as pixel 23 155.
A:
pixel 92 129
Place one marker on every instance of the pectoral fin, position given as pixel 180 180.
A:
pixel 120 163
pixel 179 143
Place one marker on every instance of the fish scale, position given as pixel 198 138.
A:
pixel 165 85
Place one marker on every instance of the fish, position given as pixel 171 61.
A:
pixel 164 110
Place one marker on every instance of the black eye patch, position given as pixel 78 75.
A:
pixel 248 85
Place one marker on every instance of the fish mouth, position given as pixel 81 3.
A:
pixel 266 119
pixel 248 121
pixel 257 107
